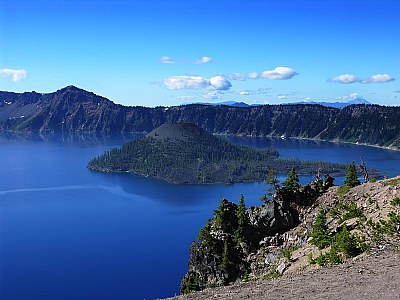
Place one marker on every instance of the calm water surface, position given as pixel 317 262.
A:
pixel 68 233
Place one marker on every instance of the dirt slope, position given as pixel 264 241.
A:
pixel 373 277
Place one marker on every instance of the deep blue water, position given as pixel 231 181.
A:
pixel 68 233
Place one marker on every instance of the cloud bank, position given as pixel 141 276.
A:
pixel 219 83
pixel 279 73
pixel 349 78
pixel 16 75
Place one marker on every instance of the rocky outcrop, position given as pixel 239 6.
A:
pixel 220 256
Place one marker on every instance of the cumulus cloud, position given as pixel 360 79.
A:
pixel 279 73
pixel 220 83
pixel 349 78
pixel 197 83
pixel 167 60
pixel 16 75
pixel 345 78
pixel 186 82
pixel 282 97
pixel 378 78
pixel 203 60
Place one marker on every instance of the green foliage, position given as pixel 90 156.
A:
pixel 219 213
pixel 382 228
pixel 271 185
pixel 226 261
pixel 349 211
pixel 343 190
pixel 351 176
pixel 320 233
pixel 192 284
pixel 242 221
pixel 395 202
pixel 393 182
pixel 342 243
pixel 292 181
pixel 287 252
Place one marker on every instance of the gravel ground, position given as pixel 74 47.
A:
pixel 372 277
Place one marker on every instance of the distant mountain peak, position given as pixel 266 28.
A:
pixel 337 104
pixel 71 88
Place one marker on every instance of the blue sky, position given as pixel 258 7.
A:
pixel 171 52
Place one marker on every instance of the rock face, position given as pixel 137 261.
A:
pixel 220 255
pixel 223 254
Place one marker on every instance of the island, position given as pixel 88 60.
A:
pixel 183 153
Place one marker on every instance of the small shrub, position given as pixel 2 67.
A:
pixel 392 182
pixel 343 190
pixel 395 202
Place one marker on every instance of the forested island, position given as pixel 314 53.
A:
pixel 185 153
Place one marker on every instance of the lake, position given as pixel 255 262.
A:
pixel 69 233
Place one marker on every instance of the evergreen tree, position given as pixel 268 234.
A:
pixel 225 263
pixel 292 181
pixel 351 176
pixel 220 213
pixel 242 221
pixel 271 181
pixel 320 232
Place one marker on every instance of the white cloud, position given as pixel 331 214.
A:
pixel 220 83
pixel 167 60
pixel 349 78
pixel 214 95
pixel 378 78
pixel 345 78
pixel 203 60
pixel 236 76
pixel 16 75
pixel 197 83
pixel 260 91
pixel 253 75
pixel 186 82
pixel 279 73
pixel 185 97
pixel 282 97
pixel 354 95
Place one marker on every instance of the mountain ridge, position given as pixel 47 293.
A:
pixel 74 110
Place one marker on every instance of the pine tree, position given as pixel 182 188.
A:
pixel 274 182
pixel 320 232
pixel 292 181
pixel 225 263
pixel 351 176
pixel 242 221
